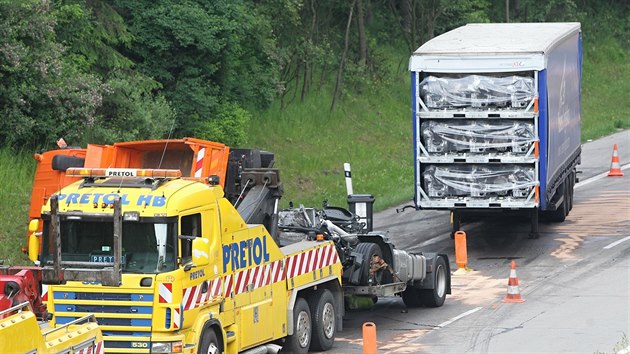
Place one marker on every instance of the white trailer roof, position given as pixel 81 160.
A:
pixel 492 47
pixel 500 38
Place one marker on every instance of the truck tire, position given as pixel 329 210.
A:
pixel 300 341
pixel 368 250
pixel 571 188
pixel 209 343
pixel 435 297
pixel 322 305
pixel 560 214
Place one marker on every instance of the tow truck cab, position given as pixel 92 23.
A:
pixel 170 265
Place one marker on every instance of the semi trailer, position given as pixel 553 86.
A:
pixel 496 120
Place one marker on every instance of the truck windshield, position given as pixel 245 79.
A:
pixel 147 247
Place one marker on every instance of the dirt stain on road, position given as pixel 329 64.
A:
pixel 475 288
pixel 607 214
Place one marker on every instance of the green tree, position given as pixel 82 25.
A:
pixel 205 55
pixel 132 107
pixel 42 95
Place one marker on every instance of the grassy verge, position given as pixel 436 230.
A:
pixel 16 175
pixel 372 132
pixel 605 88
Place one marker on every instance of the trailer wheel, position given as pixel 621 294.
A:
pixel 571 187
pixel 209 343
pixel 435 297
pixel 368 250
pixel 300 341
pixel 560 214
pixel 322 305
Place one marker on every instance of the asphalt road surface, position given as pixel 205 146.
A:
pixel 575 278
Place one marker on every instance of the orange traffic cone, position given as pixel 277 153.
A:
pixel 615 167
pixel 513 294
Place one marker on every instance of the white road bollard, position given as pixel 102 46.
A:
pixel 348 173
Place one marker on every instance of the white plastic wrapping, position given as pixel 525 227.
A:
pixel 478 181
pixel 477 91
pixel 477 136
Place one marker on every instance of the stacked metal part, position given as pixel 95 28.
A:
pixel 466 137
pixel 477 91
pixel 477 136
pixel 478 181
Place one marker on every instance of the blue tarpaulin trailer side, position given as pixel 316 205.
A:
pixel 496 119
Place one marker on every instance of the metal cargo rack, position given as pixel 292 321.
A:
pixel 526 109
pixel 457 137
pixel 468 202
pixel 450 114
pixel 470 158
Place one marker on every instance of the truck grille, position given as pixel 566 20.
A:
pixel 125 318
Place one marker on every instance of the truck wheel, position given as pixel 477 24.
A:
pixel 300 340
pixel 411 297
pixel 368 250
pixel 322 305
pixel 560 214
pixel 571 187
pixel 209 343
pixel 435 297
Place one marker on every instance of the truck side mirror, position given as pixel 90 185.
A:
pixel 200 251
pixel 33 241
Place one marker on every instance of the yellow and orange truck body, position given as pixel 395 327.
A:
pixel 245 293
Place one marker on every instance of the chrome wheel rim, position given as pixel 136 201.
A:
pixel 328 319
pixel 303 329
pixel 441 281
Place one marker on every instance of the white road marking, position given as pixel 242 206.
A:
pixel 596 177
pixel 617 242
pixel 444 324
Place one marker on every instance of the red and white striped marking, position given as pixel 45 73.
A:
pixel 189 296
pixel 257 277
pixel 44 292
pixel 199 163
pixel 311 260
pixel 94 348
pixel 176 318
pixel 298 264
pixel 228 286
pixel 166 292
pixel 277 272
pixel 86 350
pixel 194 297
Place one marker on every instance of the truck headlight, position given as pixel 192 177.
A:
pixel 166 347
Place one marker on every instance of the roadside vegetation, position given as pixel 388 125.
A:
pixel 317 83
pixel 16 174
